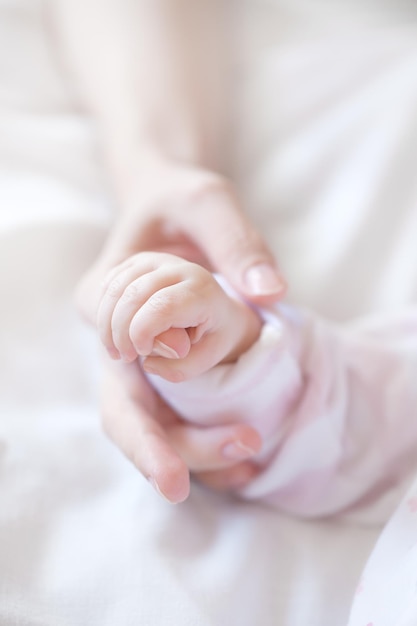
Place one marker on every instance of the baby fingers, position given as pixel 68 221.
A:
pixel 123 296
pixel 172 307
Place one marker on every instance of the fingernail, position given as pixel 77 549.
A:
pixel 161 349
pixel 155 485
pixel 237 450
pixel 264 280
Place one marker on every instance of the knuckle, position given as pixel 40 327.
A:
pixel 130 293
pixel 197 275
pixel 110 276
pixel 159 303
pixel 113 288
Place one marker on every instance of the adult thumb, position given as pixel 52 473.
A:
pixel 234 246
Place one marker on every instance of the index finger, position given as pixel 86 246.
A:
pixel 143 440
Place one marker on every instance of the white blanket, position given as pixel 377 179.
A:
pixel 83 539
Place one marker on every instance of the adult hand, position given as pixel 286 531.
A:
pixel 163 447
pixel 186 210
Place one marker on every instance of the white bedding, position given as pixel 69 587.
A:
pixel 83 539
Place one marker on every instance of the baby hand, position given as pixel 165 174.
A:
pixel 174 314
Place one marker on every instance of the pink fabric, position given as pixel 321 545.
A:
pixel 336 406
pixel 337 409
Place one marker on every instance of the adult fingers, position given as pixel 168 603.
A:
pixel 208 211
pixel 214 448
pixel 130 425
pixel 165 451
pixel 232 244
pixel 230 478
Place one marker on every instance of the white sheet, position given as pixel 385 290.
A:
pixel 83 539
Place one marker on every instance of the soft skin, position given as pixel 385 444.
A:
pixel 173 313
pixel 156 96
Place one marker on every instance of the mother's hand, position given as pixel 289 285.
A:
pixel 164 448
pixel 196 213
pixel 187 210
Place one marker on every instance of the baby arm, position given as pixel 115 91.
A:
pixel 173 314
pixel 335 406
